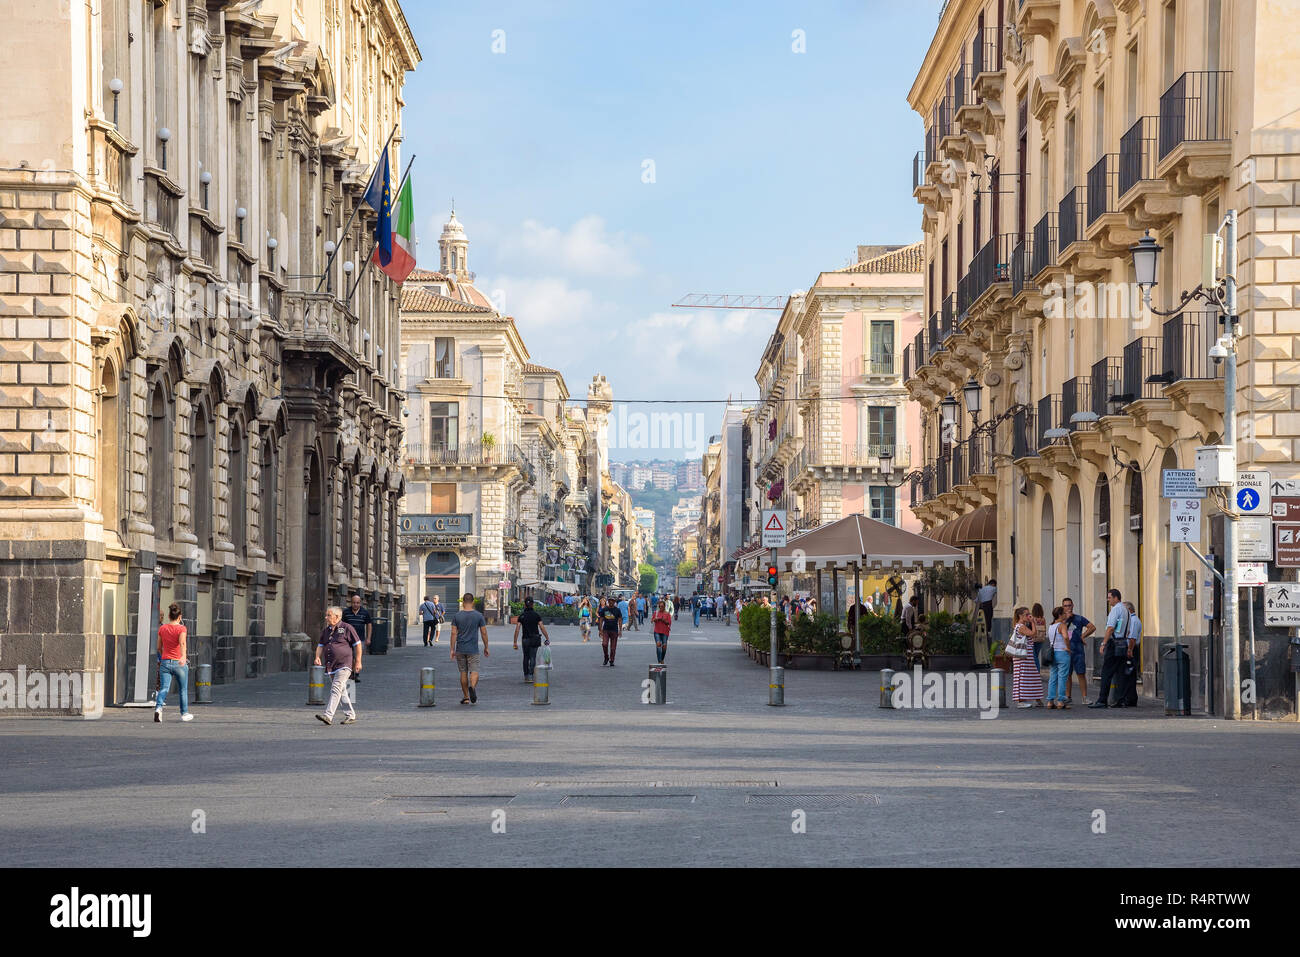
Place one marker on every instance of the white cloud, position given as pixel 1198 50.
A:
pixel 586 248
pixel 700 355
pixel 543 304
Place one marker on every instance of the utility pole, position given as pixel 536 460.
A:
pixel 1231 640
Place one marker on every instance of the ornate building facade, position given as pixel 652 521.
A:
pixel 190 410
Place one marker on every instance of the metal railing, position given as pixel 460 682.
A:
pixel 1068 218
pixel 960 464
pixel 947 117
pixel 947 325
pixel 1103 187
pixel 1021 266
pixel 959 98
pixel 907 362
pixel 1137 153
pixel 932 337
pixel 986 52
pixel 1076 396
pixel 429 369
pixel 464 453
pixel 919 354
pixel 1049 417
pixel 992 264
pixel 964 297
pixel 1107 385
pixel 1024 441
pixel 1194 109
pixel 943 473
pixel 1187 341
pixel 881 364
pixel 1142 362
pixel 979 453
pixel 919 163
pixel 1044 244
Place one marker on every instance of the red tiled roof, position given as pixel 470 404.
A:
pixel 900 259
pixel 419 299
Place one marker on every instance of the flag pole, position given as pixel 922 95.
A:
pixel 355 209
pixel 366 265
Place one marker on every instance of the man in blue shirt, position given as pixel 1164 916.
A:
pixel 1115 649
pixel 429 616
pixel 622 610
pixel 1079 630
pixel 697 605
pixel 1130 696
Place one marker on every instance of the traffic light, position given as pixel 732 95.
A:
pixel 771 575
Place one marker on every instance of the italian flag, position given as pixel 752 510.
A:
pixel 402 261
pixel 609 523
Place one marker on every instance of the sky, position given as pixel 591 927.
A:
pixel 607 159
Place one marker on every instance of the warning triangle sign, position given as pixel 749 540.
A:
pixel 773 524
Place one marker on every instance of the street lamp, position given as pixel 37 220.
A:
pixel 1146 256
pixel 205 179
pixel 241 214
pixel 948 418
pixel 973 393
pixel 115 87
pixel 164 135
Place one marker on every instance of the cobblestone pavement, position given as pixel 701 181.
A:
pixel 714 776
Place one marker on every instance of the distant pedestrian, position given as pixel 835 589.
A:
pixel 910 612
pixel 640 609
pixel 670 604
pixel 466 627
pixel 339 650
pixel 1058 644
pixel 622 610
pixel 1114 648
pixel 677 607
pixel 697 606
pixel 1042 652
pixel 441 612
pixel 663 623
pixel 611 628
pixel 584 618
pixel 531 624
pixel 174 662
pixel 985 597
pixel 429 616
pixel 1026 681
pixel 1080 630
pixel 357 616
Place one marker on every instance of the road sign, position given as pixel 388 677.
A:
pixel 1287 554
pixel 774 528
pixel 1284 487
pixel 1184 519
pixel 1181 483
pixel 1255 538
pixel 1252 574
pixel 1282 604
pixel 1286 508
pixel 1252 493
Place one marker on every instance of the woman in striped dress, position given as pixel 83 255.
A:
pixel 1026 681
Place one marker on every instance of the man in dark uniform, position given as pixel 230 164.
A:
pixel 359 618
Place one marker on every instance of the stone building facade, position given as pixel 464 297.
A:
pixel 1058 133
pixel 182 410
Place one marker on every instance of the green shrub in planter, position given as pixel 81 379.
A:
pixel 815 634
pixel 756 628
pixel 882 634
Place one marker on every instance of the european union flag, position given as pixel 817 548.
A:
pixel 379 197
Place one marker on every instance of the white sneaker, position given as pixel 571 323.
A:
pixel 187 717
pixel 157 715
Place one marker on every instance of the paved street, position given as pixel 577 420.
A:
pixel 600 778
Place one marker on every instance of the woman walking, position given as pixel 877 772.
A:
pixel 584 618
pixel 663 623
pixel 1058 645
pixel 173 664
pixel 1026 682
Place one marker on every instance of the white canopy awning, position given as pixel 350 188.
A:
pixel 564 588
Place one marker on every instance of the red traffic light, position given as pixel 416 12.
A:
pixel 771 570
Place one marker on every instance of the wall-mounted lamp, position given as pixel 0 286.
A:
pixel 115 87
pixel 205 179
pixel 164 135
pixel 271 245
pixel 241 214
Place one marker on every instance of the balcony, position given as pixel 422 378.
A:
pixel 464 454
pixel 943 473
pixel 1143 195
pixel 932 335
pixel 1044 257
pixel 1048 418
pixel 1194 130
pixel 426 369
pixel 950 142
pixel 1107 225
pixel 161 202
pixel 810 380
pixel 1074 253
pixel 1037 18
pixel 1187 341
pixel 1107 380
pixel 110 161
pixel 1024 441
pixel 317 325
pixel 1076 398
pixel 1022 267
pixel 947 317
pixel 877 366
pixel 979 454
pixel 991 267
pixel 988 77
pixel 205 243
pixel 1143 370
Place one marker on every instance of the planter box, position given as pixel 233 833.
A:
pixel 952 662
pixel 881 662
pixel 808 661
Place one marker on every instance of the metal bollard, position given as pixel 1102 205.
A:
pixel 542 684
pixel 658 684
pixel 316 684
pixel 886 687
pixel 203 684
pixel 776 687
pixel 998 692
pixel 426 688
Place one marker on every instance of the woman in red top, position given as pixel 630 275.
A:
pixel 663 623
pixel 173 663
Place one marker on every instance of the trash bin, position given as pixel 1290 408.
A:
pixel 887 687
pixel 658 684
pixel 1176 668
pixel 379 637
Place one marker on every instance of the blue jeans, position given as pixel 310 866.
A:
pixel 170 667
pixel 1058 681
pixel 661 647
pixel 697 618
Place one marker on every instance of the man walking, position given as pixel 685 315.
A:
pixel 360 620
pixel 611 629
pixel 442 617
pixel 340 647
pixel 466 626
pixel 1115 647
pixel 429 616
pixel 1079 630
pixel 531 624
pixel 633 618
pixel 697 605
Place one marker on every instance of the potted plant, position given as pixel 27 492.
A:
pixel 1001 660
pixel 489 440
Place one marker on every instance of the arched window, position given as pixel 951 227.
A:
pixel 270 491
pixel 442 576
pixel 238 472
pixel 161 417
pixel 201 476
pixel 111 459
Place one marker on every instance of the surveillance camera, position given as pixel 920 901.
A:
pixel 1218 353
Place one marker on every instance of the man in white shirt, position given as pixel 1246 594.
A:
pixel 985 599
pixel 1116 649
pixel 1129 698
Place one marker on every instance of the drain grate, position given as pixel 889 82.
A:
pixel 812 802
pixel 683 783
pixel 449 801
pixel 627 802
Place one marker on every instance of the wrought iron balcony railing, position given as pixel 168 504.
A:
pixel 1194 109
pixel 1187 341
pixel 1103 187
pixel 1137 153
pixel 1107 386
